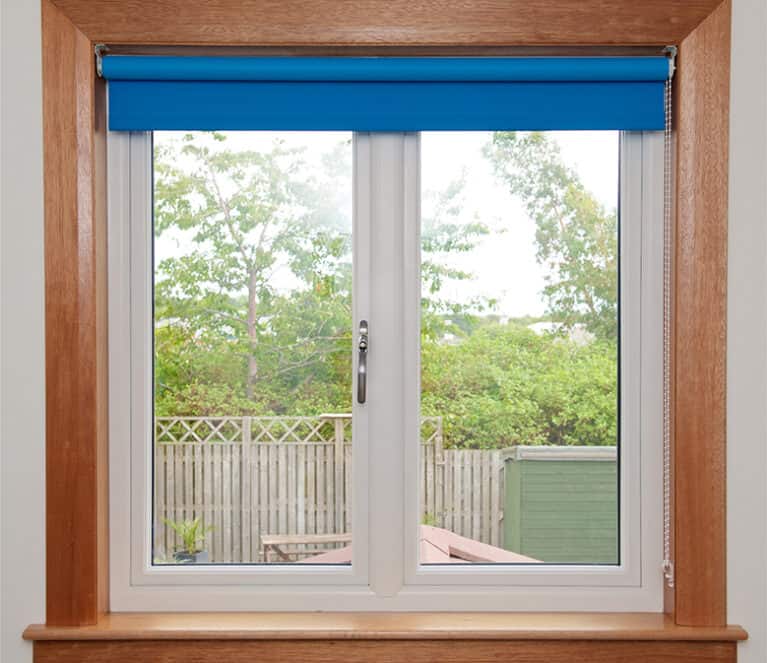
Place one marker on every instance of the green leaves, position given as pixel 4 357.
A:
pixel 505 385
pixel 443 235
pixel 253 299
pixel 257 233
pixel 577 239
pixel 191 532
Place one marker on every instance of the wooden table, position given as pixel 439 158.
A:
pixel 273 544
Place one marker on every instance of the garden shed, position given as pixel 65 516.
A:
pixel 561 503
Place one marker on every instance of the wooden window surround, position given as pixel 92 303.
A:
pixel 79 626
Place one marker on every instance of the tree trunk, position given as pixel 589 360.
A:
pixel 252 336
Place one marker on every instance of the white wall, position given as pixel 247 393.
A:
pixel 21 299
pixel 22 593
pixel 747 334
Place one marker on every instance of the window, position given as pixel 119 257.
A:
pixel 478 279
pixel 252 336
pixel 505 302
pixel 519 347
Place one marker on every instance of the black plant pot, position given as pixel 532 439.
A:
pixel 183 557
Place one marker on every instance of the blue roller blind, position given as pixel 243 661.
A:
pixel 385 94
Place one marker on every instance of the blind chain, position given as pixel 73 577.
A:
pixel 668 564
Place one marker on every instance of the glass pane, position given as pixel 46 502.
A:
pixel 519 344
pixel 252 348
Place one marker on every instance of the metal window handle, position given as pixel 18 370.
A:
pixel 362 363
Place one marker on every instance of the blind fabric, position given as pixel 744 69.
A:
pixel 384 94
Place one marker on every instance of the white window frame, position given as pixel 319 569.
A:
pixel 386 260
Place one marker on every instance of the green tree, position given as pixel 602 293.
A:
pixel 246 215
pixel 535 389
pixel 223 330
pixel 228 341
pixel 443 235
pixel 577 239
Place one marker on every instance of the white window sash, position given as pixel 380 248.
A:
pixel 385 573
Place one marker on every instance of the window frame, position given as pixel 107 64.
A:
pixel 75 166
pixel 381 578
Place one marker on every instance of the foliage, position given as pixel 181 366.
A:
pixel 430 520
pixel 191 532
pixel 444 235
pixel 228 341
pixel 246 215
pixel 577 238
pixel 505 385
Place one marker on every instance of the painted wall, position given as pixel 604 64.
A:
pixel 22 432
pixel 21 336
pixel 747 333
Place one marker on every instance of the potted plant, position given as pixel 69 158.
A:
pixel 192 533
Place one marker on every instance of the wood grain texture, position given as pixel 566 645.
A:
pixel 700 322
pixel 393 651
pixel 76 352
pixel 390 50
pixel 75 245
pixel 390 626
pixel 395 22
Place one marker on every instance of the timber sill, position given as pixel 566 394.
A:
pixel 385 637
pixel 386 626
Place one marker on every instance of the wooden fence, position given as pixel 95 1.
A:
pixel 254 476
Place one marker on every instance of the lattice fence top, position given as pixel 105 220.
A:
pixel 198 429
pixel 328 429
pixel 431 430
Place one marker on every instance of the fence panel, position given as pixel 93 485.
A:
pixel 468 487
pixel 255 476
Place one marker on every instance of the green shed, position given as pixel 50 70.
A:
pixel 561 504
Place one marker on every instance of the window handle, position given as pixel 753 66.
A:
pixel 362 363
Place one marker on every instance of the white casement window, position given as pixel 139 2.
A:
pixel 505 449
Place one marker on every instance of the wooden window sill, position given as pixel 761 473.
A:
pixel 384 637
pixel 386 626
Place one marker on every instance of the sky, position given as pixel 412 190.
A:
pixel 503 264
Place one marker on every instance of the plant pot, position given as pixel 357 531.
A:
pixel 199 557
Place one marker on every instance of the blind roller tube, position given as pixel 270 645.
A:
pixel 548 69
pixel 385 94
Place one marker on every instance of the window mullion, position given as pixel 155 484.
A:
pixel 361 310
pixel 392 398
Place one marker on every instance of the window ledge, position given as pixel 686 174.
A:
pixel 386 626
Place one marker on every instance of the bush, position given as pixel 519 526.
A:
pixel 505 385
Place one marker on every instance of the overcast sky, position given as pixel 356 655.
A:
pixel 503 264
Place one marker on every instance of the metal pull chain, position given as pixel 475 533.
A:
pixel 668 564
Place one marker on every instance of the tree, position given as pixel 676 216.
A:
pixel 537 389
pixel 253 308
pixel 444 234
pixel 247 215
pixel 577 239
pixel 224 329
